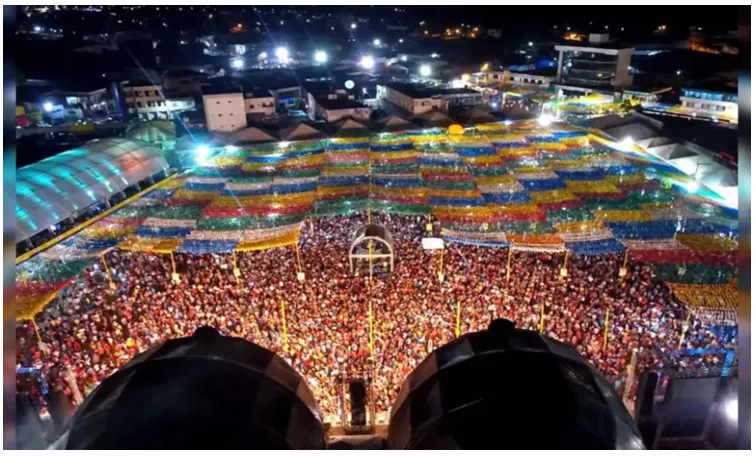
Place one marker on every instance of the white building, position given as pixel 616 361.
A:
pixel 532 78
pixel 333 108
pixel 711 99
pixel 598 65
pixel 412 100
pixel 224 110
pixel 146 101
pixel 259 103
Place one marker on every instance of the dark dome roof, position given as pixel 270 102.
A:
pixel 200 392
pixel 505 388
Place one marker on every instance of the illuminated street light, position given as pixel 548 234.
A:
pixel 354 26
pixel 425 71
pixel 231 148
pixel 201 154
pixel 321 57
pixel 37 28
pixel 367 62
pixel 377 42
pixel 263 55
pixel 679 72
pixel 237 63
pixel 545 119
pixel 48 106
pixel 401 40
pixel 434 56
pixel 530 43
pixel 626 144
pixel 404 58
pixel 282 54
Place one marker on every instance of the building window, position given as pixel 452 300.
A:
pixel 217 102
pixel 220 115
pixel 229 101
pixel 139 104
pixel 147 93
pixel 251 106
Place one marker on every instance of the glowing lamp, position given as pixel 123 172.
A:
pixel 237 63
pixel 48 106
pixel 201 154
pixel 545 119
pixel 425 70
pixel 563 272
pixel 367 62
pixel 623 272
pixel 300 276
pixel 321 57
pixel 282 54
pixel 456 129
pixel 377 42
pixel 440 276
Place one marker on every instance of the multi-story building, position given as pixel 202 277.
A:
pixel 600 65
pixel 259 103
pixel 146 101
pixel 224 108
pixel 324 102
pixel 418 100
pixel 711 98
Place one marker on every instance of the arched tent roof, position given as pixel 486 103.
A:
pixel 59 187
pixel 372 230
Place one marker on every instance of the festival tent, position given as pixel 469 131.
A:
pixel 250 135
pixel 395 123
pixel 436 118
pixel 476 116
pixel 300 131
pixel 350 127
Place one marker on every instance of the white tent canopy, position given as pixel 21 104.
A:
pixel 59 187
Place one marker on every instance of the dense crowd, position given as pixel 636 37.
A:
pixel 92 331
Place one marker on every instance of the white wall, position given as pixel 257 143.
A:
pixel 414 106
pixel 225 112
pixel 146 101
pixel 260 105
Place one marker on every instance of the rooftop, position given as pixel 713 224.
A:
pixel 420 92
pixel 613 44
pixel 256 93
pixel 713 85
pixel 340 103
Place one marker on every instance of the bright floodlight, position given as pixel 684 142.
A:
pixel 377 42
pixel 545 119
pixel 404 58
pixel 48 106
pixel 626 144
pixel 263 55
pixel 237 63
pixel 401 40
pixel 37 28
pixel 354 26
pixel 367 62
pixel 349 84
pixel 425 70
pixel 201 154
pixel 321 57
pixel 231 148
pixel 690 187
pixel 494 105
pixel 507 123
pixel 530 43
pixel 282 54
pixel 731 409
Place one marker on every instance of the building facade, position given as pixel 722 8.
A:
pixel 596 65
pixel 710 101
pixel 259 104
pixel 407 98
pixel 225 112
pixel 146 101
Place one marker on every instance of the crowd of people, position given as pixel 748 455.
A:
pixel 90 331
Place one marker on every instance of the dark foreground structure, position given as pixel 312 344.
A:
pixel 505 388
pixel 501 388
pixel 201 392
